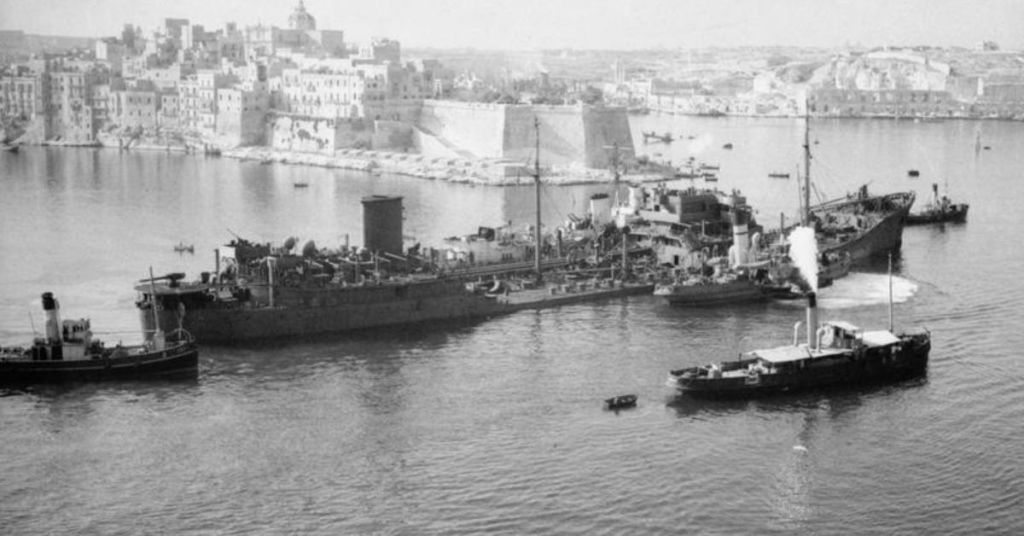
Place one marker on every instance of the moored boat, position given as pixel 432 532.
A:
pixel 836 353
pixel 620 402
pixel 663 138
pixel 729 288
pixel 939 210
pixel 69 353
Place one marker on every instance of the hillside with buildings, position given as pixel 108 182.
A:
pixel 276 92
pixel 282 92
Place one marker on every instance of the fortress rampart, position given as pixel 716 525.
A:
pixel 568 134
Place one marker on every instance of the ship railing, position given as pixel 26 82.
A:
pixel 181 335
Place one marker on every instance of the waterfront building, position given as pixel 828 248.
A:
pixel 354 88
pixel 884 103
pixel 241 113
pixel 197 100
pixel 884 83
pixel 135 108
pixel 20 95
pixel 169 111
pixel 68 97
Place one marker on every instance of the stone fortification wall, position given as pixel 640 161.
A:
pixel 353 133
pixel 605 129
pixel 562 136
pixel 393 136
pixel 431 147
pixel 303 134
pixel 318 135
pixel 569 134
pixel 475 129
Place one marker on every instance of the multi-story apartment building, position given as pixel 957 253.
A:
pixel 197 100
pixel 135 108
pixel 354 89
pixel 242 112
pixel 20 95
pixel 69 102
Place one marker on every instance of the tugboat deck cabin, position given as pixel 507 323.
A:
pixel 839 342
pixel 67 351
pixel 835 353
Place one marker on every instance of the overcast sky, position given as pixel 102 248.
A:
pixel 531 24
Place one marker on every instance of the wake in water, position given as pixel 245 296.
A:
pixel 863 289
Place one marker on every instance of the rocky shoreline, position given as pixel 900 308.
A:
pixel 489 172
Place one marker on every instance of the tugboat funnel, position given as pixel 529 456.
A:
pixel 812 320
pixel 52 311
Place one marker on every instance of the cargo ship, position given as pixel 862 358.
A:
pixel 858 226
pixel 862 226
pixel 265 292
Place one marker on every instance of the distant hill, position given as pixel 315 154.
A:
pixel 15 44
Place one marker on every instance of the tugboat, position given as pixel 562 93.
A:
pixel 835 353
pixel 69 353
pixel 939 210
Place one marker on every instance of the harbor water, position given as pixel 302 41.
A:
pixel 497 426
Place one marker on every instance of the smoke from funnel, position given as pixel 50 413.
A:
pixel 803 249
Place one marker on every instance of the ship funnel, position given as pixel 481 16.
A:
pixel 740 236
pixel 635 198
pixel 382 224
pixel 812 320
pixel 51 308
pixel 600 208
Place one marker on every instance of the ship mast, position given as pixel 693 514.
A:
pixel 536 181
pixel 890 292
pixel 806 214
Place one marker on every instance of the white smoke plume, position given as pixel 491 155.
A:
pixel 803 249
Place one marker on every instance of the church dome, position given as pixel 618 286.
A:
pixel 300 19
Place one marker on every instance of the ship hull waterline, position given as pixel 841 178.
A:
pixel 243 322
pixel 884 238
pixel 914 364
pixel 178 362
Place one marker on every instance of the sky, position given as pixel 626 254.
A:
pixel 579 24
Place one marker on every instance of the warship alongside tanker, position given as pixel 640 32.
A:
pixel 264 292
